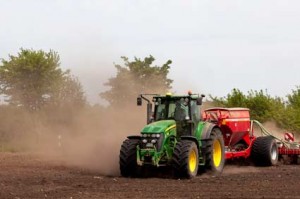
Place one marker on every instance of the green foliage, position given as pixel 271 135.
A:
pixel 278 111
pixel 135 77
pixel 259 104
pixel 70 93
pixel 292 112
pixel 262 106
pixel 34 78
pixel 234 99
pixel 294 98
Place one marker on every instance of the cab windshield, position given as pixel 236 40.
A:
pixel 176 109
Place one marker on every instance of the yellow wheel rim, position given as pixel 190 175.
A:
pixel 193 160
pixel 217 153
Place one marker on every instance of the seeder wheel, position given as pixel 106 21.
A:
pixel 265 151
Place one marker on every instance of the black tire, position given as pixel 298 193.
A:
pixel 185 160
pixel 215 153
pixel 128 162
pixel 264 151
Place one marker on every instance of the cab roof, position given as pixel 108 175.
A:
pixel 193 96
pixel 227 109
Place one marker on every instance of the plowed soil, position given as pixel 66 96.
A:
pixel 27 176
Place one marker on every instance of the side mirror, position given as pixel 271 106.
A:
pixel 139 101
pixel 199 100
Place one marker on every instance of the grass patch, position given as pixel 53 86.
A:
pixel 6 147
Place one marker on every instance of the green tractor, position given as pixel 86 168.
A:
pixel 174 137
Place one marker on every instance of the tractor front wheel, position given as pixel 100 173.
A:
pixel 264 151
pixel 185 159
pixel 128 161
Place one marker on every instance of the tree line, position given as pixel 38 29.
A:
pixel 33 80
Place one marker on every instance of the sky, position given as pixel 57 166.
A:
pixel 215 45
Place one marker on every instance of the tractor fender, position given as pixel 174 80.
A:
pixel 206 132
pixel 191 138
pixel 207 129
pixel 134 137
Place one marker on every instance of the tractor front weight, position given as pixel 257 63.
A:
pixel 152 154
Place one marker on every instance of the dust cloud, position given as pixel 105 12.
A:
pixel 88 137
pixel 272 128
pixel 92 140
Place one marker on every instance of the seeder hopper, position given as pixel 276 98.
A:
pixel 246 138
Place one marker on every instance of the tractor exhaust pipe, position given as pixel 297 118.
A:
pixel 149 107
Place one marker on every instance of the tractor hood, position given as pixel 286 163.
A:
pixel 159 126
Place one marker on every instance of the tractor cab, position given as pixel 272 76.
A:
pixel 183 109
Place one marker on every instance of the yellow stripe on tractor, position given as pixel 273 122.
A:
pixel 171 127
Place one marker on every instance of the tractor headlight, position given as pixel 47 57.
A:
pixel 156 135
pixel 153 141
pixel 144 135
pixel 144 141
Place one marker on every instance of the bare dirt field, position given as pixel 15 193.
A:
pixel 28 176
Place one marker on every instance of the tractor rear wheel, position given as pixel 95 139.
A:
pixel 215 152
pixel 128 161
pixel 264 151
pixel 185 159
